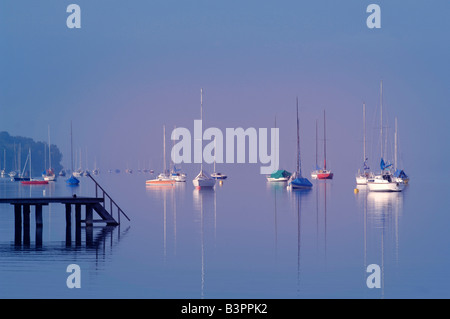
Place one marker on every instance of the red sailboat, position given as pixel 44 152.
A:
pixel 324 173
pixel 33 181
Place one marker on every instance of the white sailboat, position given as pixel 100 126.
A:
pixel 163 178
pixel 385 181
pixel 176 174
pixel 203 179
pixel 49 173
pixel 79 171
pixel 215 174
pixel 3 172
pixel 365 175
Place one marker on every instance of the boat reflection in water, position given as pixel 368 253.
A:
pixel 205 204
pixel 299 195
pixel 382 213
pixel 384 208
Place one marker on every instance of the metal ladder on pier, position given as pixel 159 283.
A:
pixel 101 210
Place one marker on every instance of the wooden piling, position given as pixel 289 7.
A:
pixel 68 215
pixel 77 215
pixel 26 225
pixel 38 215
pixel 22 212
pixel 18 224
pixel 89 215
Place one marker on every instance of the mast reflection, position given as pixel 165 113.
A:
pixel 204 200
pixel 382 213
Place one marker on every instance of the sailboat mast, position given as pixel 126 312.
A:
pixel 324 143
pixel 316 144
pixel 201 122
pixel 276 164
pixel 173 144
pixel 364 131
pixel 298 144
pixel 86 155
pixel 164 147
pixel 49 149
pixel 71 147
pixel 381 118
pixel 215 154
pixel 396 145
pixel 29 152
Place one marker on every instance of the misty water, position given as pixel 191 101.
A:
pixel 245 238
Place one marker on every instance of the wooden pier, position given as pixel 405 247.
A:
pixel 23 209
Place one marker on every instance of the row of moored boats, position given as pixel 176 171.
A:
pixel 390 178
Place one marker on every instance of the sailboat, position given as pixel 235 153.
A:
pixel 399 174
pixel 217 175
pixel 95 171
pixel 202 179
pixel 21 176
pixel 385 181
pixel 163 178
pixel 3 172
pixel 176 174
pixel 280 175
pixel 297 181
pixel 72 181
pixel 79 171
pixel 32 181
pixel 324 173
pixel 362 177
pixel 49 173
pixel 316 171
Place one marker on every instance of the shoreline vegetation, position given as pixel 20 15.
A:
pixel 14 151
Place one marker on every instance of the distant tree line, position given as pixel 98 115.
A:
pixel 14 151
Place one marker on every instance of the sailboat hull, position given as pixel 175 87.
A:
pixel 385 183
pixel 361 180
pixel 219 176
pixel 31 182
pixel 386 187
pixel 326 175
pixel 281 179
pixel 300 183
pixel 180 178
pixel 49 178
pixel 160 182
pixel 199 183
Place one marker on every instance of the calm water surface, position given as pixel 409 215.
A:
pixel 244 239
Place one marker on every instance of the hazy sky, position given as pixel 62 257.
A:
pixel 136 65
